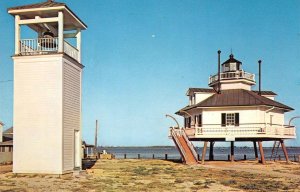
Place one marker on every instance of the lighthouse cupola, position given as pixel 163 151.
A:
pixel 231 65
pixel 231 76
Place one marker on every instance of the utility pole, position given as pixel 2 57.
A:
pixel 96 136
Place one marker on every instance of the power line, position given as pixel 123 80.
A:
pixel 6 81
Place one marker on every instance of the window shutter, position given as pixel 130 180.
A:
pixel 200 120
pixel 223 118
pixel 237 119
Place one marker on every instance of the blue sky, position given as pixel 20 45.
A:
pixel 142 55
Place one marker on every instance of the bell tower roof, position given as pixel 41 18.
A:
pixel 46 9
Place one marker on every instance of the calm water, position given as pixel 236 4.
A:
pixel 220 153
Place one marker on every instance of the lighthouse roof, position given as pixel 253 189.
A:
pixel 237 97
pixel 190 91
pixel 231 60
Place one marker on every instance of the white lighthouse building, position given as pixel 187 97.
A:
pixel 47 88
pixel 231 111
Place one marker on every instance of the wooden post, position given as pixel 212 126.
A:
pixel 228 157
pixel 60 32
pixel 78 44
pixel 295 159
pixel 245 157
pixel 211 150
pixel 153 156
pixel 284 151
pixel 125 156
pixel 255 150
pixel 262 155
pixel 139 156
pixel 17 34
pixel 232 150
pixel 198 157
pixel 204 152
pixel 166 156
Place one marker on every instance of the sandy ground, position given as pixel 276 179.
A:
pixel 160 175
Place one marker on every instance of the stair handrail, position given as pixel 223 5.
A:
pixel 174 133
pixel 190 144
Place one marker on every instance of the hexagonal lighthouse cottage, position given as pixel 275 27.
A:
pixel 231 111
pixel 47 88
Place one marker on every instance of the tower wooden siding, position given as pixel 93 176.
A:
pixel 71 110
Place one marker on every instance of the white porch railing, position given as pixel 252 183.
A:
pixel 232 75
pixel 41 46
pixel 277 131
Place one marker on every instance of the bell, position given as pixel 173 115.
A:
pixel 48 41
pixel 48 34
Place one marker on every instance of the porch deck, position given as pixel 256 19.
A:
pixel 241 133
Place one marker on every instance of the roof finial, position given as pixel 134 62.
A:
pixel 231 51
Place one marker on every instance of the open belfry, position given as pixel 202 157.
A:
pixel 47 88
pixel 230 111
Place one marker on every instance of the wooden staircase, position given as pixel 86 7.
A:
pixel 185 147
pixel 275 150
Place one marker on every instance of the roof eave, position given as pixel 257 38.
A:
pixel 58 8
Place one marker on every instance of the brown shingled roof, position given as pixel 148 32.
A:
pixel 38 5
pixel 237 97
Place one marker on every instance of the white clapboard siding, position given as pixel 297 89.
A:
pixel 38 114
pixel 71 111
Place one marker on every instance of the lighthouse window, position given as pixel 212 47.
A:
pixel 229 119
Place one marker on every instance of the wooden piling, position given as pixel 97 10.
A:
pixel 211 150
pixel 139 156
pixel 284 151
pixel 125 156
pixel 255 150
pixel 245 157
pixel 228 157
pixel 152 156
pixel 166 156
pixel 204 152
pixel 262 155
pixel 232 150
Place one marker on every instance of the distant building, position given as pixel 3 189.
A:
pixel 231 111
pixel 6 147
pixel 1 130
pixel 47 89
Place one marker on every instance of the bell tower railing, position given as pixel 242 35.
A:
pixel 42 46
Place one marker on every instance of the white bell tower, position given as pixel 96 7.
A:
pixel 47 88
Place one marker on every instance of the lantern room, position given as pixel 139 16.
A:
pixel 231 76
